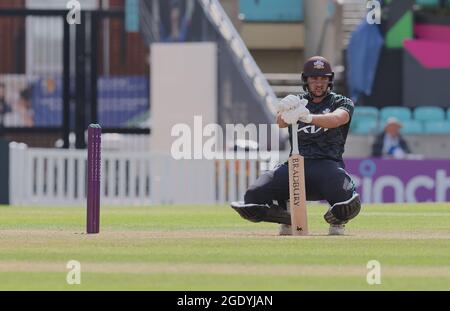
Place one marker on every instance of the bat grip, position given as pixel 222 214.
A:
pixel 295 139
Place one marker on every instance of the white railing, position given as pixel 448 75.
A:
pixel 58 176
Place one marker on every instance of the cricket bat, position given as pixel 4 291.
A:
pixel 297 194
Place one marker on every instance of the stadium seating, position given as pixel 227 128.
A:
pixel 363 115
pixel 271 11
pixel 366 112
pixel 413 127
pixel 410 127
pixel 437 127
pixel 429 114
pixel 401 113
pixel 429 2
pixel 421 120
pixel 366 127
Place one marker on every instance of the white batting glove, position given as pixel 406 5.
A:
pixel 303 102
pixel 288 103
pixel 306 118
pixel 293 115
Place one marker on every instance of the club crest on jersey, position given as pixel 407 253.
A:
pixel 326 111
pixel 311 129
pixel 319 64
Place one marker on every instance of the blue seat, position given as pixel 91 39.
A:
pixel 448 114
pixel 401 113
pixel 412 127
pixel 427 2
pixel 366 127
pixel 439 127
pixel 430 113
pixel 366 112
pixel 363 115
pixel 272 11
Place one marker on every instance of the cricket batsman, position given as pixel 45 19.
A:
pixel 323 119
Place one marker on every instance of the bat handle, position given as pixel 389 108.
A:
pixel 295 139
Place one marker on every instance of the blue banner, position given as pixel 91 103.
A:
pixel 123 101
pixel 47 102
pixel 363 53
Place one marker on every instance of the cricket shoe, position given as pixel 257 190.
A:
pixel 285 230
pixel 336 230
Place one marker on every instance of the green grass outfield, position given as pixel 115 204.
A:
pixel 212 248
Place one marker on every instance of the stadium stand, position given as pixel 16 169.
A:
pixel 366 127
pixel 401 113
pixel 412 127
pixel 429 114
pixel 422 120
pixel 439 127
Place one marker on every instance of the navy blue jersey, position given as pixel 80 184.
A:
pixel 320 143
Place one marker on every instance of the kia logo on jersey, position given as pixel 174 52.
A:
pixel 311 129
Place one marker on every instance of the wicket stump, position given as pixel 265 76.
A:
pixel 93 182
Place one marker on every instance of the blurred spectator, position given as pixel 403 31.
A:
pixel 390 143
pixel 21 114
